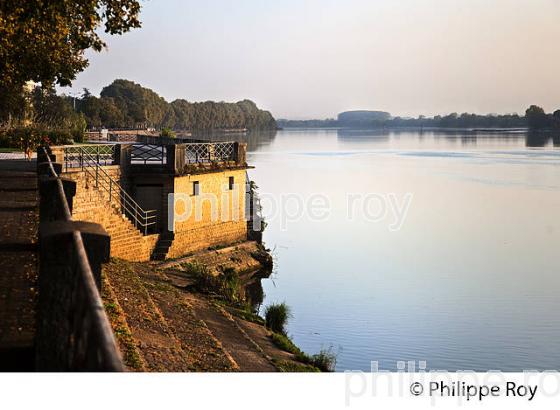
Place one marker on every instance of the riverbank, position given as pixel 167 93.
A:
pixel 163 321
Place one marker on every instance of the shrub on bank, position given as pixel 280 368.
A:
pixel 227 284
pixel 324 360
pixel 276 317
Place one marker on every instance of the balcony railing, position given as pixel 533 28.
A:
pixel 76 156
pixel 148 154
pixel 202 153
pixel 152 157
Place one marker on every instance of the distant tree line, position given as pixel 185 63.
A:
pixel 42 116
pixel 125 104
pixel 535 118
pixel 41 112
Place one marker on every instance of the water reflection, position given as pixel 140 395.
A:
pixel 255 139
pixel 464 137
pixel 543 139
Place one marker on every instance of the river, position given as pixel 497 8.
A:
pixel 406 246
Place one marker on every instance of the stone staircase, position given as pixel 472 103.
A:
pixel 92 205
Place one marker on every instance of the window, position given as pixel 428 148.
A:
pixel 231 183
pixel 195 188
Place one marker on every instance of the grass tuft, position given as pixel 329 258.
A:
pixel 276 317
pixel 227 284
pixel 325 360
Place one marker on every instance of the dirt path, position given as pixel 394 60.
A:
pixel 173 329
pixel 248 357
pixel 164 330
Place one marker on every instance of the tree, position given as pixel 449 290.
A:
pixel 45 41
pixel 536 117
pixel 140 106
pixel 556 119
pixel 124 103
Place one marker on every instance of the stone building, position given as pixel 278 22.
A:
pixel 161 201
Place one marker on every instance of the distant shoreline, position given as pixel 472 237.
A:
pixel 420 129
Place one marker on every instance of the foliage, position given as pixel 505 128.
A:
pixel 294 367
pixel 230 285
pixel 285 343
pixel 227 284
pixel 246 312
pixel 276 317
pixel 168 132
pixel 29 138
pixel 325 360
pixel 45 41
pixel 538 119
pixel 125 104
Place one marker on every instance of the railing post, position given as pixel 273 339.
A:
pixel 110 189
pixel 116 154
pixel 240 152
pixel 58 154
pixel 61 344
pixel 176 154
pixel 49 209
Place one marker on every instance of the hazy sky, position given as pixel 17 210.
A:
pixel 315 58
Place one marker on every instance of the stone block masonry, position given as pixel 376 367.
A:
pixel 221 211
pixel 92 205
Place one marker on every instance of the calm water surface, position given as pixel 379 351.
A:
pixel 470 281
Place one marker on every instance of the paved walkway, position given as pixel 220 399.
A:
pixel 14 155
pixel 18 263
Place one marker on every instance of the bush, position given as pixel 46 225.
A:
pixel 276 317
pixel 324 360
pixel 230 285
pixel 168 132
pixel 227 284
pixel 30 137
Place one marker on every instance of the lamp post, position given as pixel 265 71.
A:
pixel 74 95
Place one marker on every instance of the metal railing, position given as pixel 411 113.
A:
pixel 76 156
pixel 148 154
pixel 200 153
pixel 118 197
pixel 90 344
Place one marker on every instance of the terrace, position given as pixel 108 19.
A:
pixel 176 159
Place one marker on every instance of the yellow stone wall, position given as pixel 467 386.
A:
pixel 214 217
pixel 92 205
